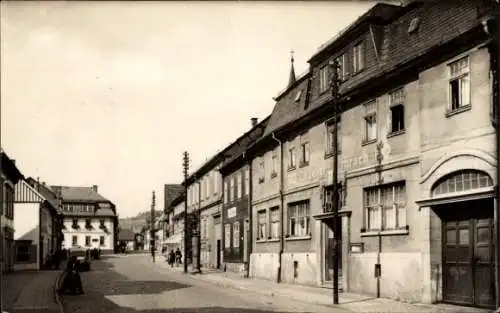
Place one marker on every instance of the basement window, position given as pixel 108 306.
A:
pixel 414 24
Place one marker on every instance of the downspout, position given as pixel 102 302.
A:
pixel 282 215
pixel 249 215
pixel 496 102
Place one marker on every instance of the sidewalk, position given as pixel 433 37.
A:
pixel 30 291
pixel 318 295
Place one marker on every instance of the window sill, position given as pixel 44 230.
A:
pixel 273 240
pixel 368 142
pixel 331 154
pixel 260 241
pixel 391 232
pixel 464 108
pixel 303 164
pixel 298 238
pixel 291 168
pixel 396 133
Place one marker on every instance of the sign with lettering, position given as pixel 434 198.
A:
pixel 231 212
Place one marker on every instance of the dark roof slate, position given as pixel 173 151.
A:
pixel 172 191
pixel 286 108
pixel 78 194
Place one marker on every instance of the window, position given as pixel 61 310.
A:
pixel 323 79
pixel 370 119
pixel 247 181
pixel 329 138
pixel 23 253
pixel 239 186
pixel 385 207
pixel 304 151
pixel 261 171
pixel 261 226
pixel 87 241
pixel 207 186
pixel 226 190
pixel 297 96
pixel 291 159
pixel 236 234
pixel 227 236
pixel 274 220
pixel 397 111
pixel 101 241
pixel 9 199
pixel 201 183
pixel 75 224
pixel 459 89
pixel 327 201
pixel 342 69
pixel 231 189
pixel 358 58
pixel 88 224
pixel 461 181
pixel 298 214
pixel 274 172
pixel 204 229
pixel 74 241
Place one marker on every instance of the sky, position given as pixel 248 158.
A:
pixel 112 93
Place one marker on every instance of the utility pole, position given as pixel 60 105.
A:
pixel 153 222
pixel 196 231
pixel 185 166
pixel 334 86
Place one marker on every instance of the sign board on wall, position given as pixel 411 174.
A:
pixel 231 212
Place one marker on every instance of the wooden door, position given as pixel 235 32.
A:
pixel 330 242
pixel 468 255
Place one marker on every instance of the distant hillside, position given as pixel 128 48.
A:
pixel 137 222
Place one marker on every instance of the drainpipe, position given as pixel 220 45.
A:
pixel 282 219
pixel 496 102
pixel 249 215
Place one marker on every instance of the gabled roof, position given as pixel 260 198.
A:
pixel 290 105
pixel 172 191
pixel 78 194
pixel 9 168
pixel 45 191
pixel 241 144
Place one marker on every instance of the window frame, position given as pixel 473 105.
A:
pixel 236 239
pixel 329 138
pixel 358 57
pixel 459 77
pixel 292 158
pixel 305 151
pixel 262 170
pixel 239 185
pixel 274 218
pixel 342 70
pixel 370 114
pixel 397 99
pixel 398 207
pixel 261 225
pixel 247 181
pixel 275 164
pixel 294 218
pixel 323 79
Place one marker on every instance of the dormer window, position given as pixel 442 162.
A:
pixel 298 95
pixel 358 55
pixel 323 79
pixel 342 69
pixel 414 24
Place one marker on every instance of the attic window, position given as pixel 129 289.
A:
pixel 414 24
pixel 298 95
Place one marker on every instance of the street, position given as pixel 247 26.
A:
pixel 132 283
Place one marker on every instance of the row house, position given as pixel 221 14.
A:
pixel 10 176
pixel 37 224
pixel 89 220
pixel 174 224
pixel 416 160
pixel 204 194
pixel 171 192
pixel 236 222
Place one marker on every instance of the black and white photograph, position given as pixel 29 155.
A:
pixel 250 156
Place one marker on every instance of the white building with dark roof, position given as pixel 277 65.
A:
pixel 90 220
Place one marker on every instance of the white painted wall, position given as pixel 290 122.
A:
pixel 26 217
pixel 95 233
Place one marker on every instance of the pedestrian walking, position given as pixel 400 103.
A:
pixel 178 256
pixel 171 258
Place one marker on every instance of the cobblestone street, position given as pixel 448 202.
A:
pixel 125 284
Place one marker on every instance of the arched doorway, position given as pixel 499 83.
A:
pixel 467 238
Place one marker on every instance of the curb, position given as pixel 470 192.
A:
pixel 57 283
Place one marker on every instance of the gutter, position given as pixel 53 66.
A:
pixel 282 228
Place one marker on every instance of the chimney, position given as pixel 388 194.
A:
pixel 254 121
pixel 94 188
